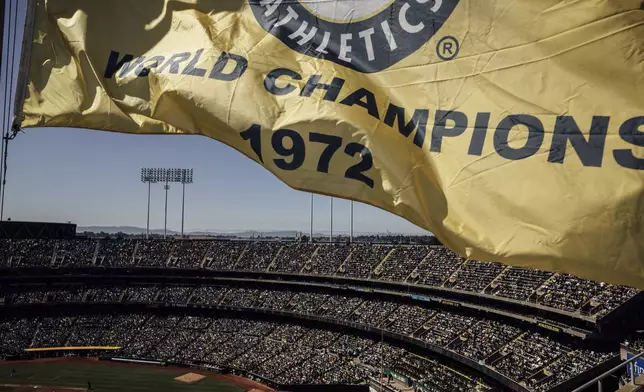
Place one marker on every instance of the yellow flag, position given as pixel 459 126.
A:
pixel 512 129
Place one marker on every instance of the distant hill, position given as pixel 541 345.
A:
pixel 141 230
pixel 248 233
pixel 119 229
pixel 134 230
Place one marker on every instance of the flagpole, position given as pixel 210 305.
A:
pixel 6 93
pixel 2 26
pixel 8 79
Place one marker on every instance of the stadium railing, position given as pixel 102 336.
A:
pixel 598 380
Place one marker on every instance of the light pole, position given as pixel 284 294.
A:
pixel 331 232
pixel 149 175
pixel 311 233
pixel 147 225
pixel 351 230
pixel 165 221
pixel 183 205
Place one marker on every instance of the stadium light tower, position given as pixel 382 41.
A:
pixel 183 176
pixel 186 178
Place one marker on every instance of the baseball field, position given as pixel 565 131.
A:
pixel 75 375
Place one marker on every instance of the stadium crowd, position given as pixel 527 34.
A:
pixel 536 359
pixel 432 375
pixel 637 344
pixel 407 264
pixel 279 352
pixel 568 366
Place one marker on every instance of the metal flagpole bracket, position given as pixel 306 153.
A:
pixel 25 62
pixel 15 129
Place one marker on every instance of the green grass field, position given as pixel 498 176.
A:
pixel 106 377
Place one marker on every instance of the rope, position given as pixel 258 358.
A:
pixel 12 63
pixel 6 26
pixel 12 38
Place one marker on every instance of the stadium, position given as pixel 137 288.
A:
pixel 507 131
pixel 297 315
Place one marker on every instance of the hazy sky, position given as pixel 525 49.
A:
pixel 93 178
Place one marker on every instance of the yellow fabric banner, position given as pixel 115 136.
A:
pixel 512 129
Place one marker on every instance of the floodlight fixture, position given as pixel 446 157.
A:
pixel 151 175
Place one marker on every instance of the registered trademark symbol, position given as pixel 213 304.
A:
pixel 447 48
